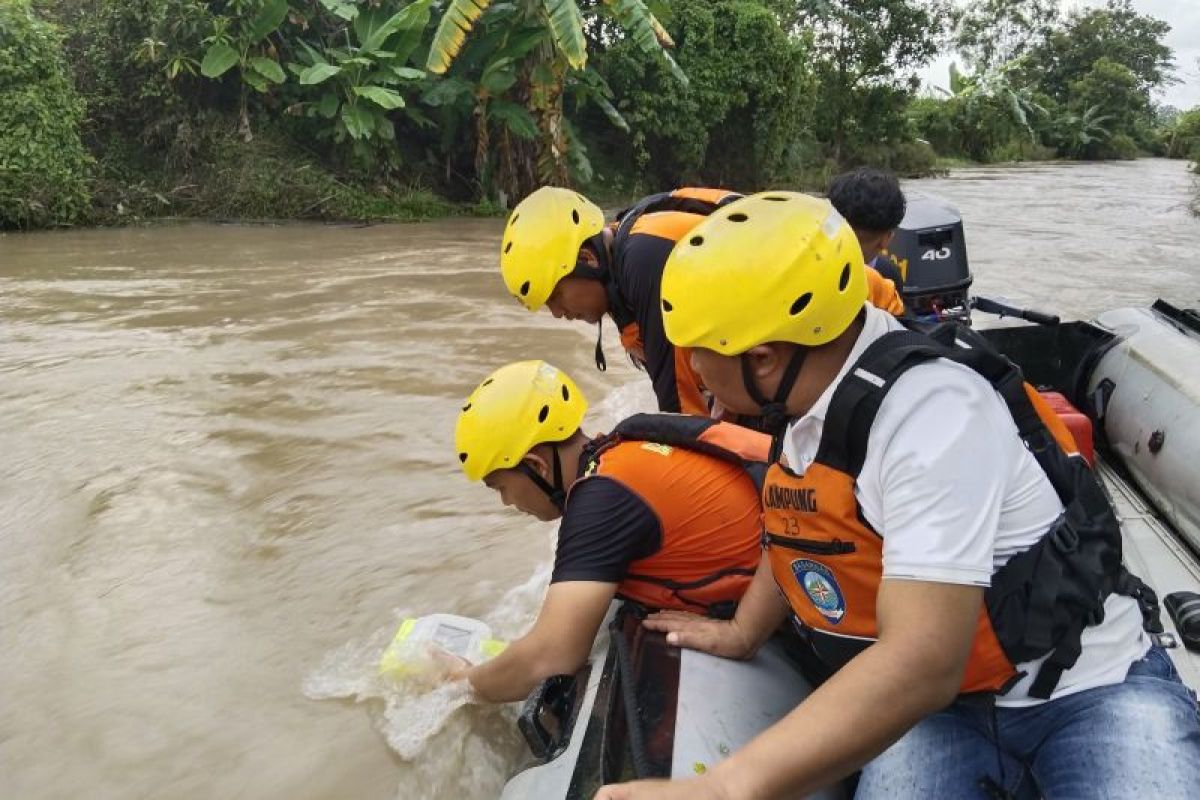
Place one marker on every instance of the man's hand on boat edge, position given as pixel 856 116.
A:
pixel 761 611
pixel 715 636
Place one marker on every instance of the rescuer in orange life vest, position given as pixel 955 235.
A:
pixel 955 565
pixel 558 252
pixel 639 516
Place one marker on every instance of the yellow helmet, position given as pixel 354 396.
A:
pixel 771 267
pixel 518 406
pixel 542 240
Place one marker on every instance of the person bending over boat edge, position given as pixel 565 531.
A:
pixel 643 510
pixel 951 562
pixel 558 252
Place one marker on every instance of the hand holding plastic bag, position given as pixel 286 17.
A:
pixel 438 648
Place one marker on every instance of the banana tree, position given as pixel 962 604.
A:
pixel 543 72
pixel 240 39
pixel 1076 133
pixel 996 85
pixel 564 20
pixel 357 83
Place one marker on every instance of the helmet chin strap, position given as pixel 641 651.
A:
pixel 556 493
pixel 601 361
pixel 774 412
pixel 599 270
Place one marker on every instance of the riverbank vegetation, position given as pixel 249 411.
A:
pixel 116 110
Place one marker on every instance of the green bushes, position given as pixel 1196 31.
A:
pixel 982 128
pixel 1181 139
pixel 152 65
pixel 216 174
pixel 44 168
pixel 747 102
pixel 135 63
pixel 907 159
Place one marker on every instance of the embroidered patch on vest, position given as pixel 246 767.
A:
pixel 661 449
pixel 822 588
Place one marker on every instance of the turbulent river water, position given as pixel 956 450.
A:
pixel 226 470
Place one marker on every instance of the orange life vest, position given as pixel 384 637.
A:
pixel 881 293
pixel 828 561
pixel 698 477
pixel 668 215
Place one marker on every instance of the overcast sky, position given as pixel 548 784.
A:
pixel 1184 39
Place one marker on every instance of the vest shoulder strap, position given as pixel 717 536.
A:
pixel 723 440
pixel 692 200
pixel 857 400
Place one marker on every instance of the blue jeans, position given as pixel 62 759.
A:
pixel 1136 739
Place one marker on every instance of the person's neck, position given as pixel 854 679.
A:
pixel 872 244
pixel 569 453
pixel 821 367
pixel 607 235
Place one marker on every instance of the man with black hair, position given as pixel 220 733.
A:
pixel 872 201
pixel 660 512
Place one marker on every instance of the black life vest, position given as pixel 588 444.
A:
pixel 1042 599
pixel 691 200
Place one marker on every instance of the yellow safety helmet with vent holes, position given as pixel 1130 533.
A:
pixel 771 267
pixel 542 240
pixel 517 407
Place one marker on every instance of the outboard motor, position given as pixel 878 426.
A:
pixel 931 253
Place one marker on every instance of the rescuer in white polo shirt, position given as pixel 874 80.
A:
pixel 951 559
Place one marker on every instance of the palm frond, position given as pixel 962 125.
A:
pixel 639 24
pixel 456 23
pixel 566 26
pixel 660 32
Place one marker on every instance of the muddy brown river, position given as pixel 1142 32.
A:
pixel 226 471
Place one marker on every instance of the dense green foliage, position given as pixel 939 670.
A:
pixel 866 54
pixel 750 93
pixel 189 100
pixel 1079 87
pixel 43 166
pixel 1069 51
pixel 781 92
pixel 368 108
pixel 1181 138
pixel 991 33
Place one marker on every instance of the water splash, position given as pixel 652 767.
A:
pixel 451 746
pixel 414 710
pixel 624 401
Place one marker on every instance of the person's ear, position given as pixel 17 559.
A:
pixel 587 258
pixel 539 465
pixel 765 360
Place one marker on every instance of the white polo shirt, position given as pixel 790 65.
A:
pixel 954 492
